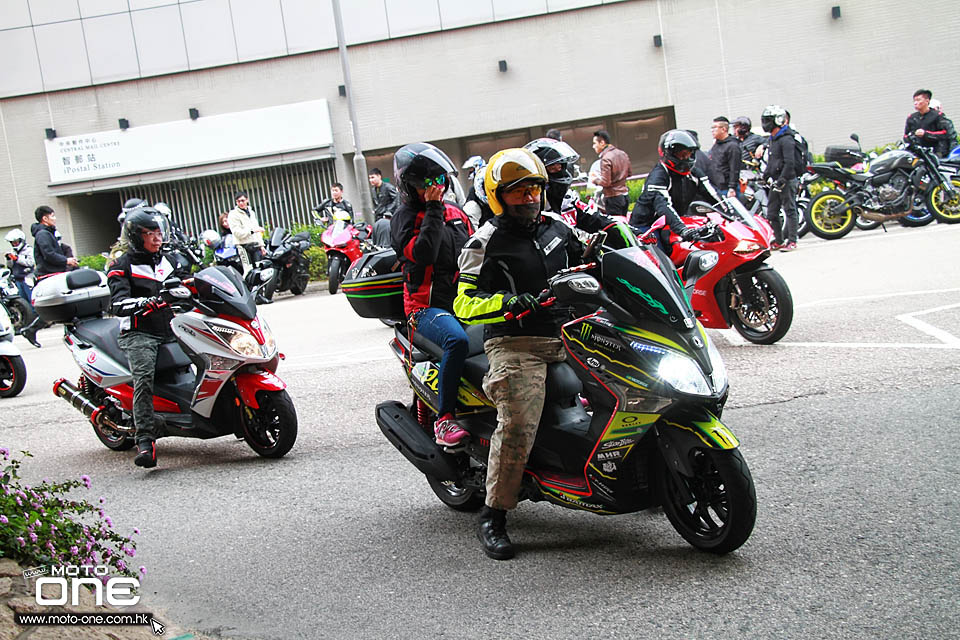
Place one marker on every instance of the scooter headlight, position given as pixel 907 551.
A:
pixel 245 344
pixel 266 274
pixel 269 346
pixel 683 374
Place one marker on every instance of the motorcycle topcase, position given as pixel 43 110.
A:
pixel 74 294
pixel 841 154
pixel 374 286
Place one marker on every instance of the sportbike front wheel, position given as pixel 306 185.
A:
pixel 825 219
pixel 333 275
pixel 763 311
pixel 715 508
pixel 944 207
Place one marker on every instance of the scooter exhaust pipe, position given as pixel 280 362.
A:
pixel 403 432
pixel 95 413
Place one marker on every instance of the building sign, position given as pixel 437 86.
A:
pixel 190 143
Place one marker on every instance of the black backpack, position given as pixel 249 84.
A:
pixel 803 152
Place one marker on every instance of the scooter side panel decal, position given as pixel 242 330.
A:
pixel 653 337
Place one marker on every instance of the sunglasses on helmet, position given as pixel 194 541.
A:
pixel 438 181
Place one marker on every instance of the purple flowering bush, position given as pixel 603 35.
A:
pixel 43 525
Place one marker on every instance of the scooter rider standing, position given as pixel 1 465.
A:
pixel 428 234
pixel 672 185
pixel 21 261
pixel 783 171
pixel 503 268
pixel 136 279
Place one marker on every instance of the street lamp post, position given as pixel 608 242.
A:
pixel 359 162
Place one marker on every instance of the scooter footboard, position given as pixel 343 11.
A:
pixel 678 435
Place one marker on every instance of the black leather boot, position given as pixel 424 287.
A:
pixel 493 534
pixel 146 454
pixel 30 332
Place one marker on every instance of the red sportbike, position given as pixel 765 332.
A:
pixel 343 241
pixel 742 291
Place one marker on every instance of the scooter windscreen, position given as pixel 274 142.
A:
pixel 276 238
pixel 644 282
pixel 222 290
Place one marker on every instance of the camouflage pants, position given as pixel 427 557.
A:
pixel 141 349
pixel 515 383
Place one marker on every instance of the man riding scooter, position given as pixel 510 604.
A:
pixel 136 279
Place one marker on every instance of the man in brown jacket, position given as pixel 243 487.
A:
pixel 614 169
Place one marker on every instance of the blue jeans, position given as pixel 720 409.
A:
pixel 441 327
pixel 25 290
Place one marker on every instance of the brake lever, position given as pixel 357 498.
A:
pixel 549 302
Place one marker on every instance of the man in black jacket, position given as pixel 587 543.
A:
pixel 385 196
pixel 136 280
pixel 503 268
pixel 749 141
pixel 47 250
pixel 782 171
pixel 924 123
pixel 725 157
pixel 675 182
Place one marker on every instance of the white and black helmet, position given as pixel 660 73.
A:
pixel 15 237
pixel 773 116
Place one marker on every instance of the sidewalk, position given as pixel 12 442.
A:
pixel 17 595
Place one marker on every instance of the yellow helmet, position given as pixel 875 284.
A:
pixel 508 167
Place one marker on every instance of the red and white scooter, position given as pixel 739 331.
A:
pixel 217 379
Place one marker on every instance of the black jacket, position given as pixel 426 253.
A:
pixel 933 125
pixel 343 205
pixel 428 243
pixel 666 193
pixel 386 199
pixel 503 259
pixel 132 278
pixel 725 162
pixel 784 155
pixel 47 251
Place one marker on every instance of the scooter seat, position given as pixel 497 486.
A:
pixel 104 333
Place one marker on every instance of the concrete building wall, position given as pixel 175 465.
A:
pixel 730 57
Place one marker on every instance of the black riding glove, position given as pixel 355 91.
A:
pixel 523 302
pixel 690 234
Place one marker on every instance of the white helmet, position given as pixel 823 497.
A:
pixel 210 238
pixel 163 208
pixel 15 237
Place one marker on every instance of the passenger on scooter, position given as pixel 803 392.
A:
pixel 427 235
pixel 503 268
pixel 672 185
pixel 136 279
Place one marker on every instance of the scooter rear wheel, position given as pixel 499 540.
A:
pixel 457 498
pixel 271 430
pixel 714 510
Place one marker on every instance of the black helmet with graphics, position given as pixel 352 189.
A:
pixel 678 151
pixel 417 164
pixel 508 168
pixel 552 152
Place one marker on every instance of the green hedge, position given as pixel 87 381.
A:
pixel 318 263
pixel 98 262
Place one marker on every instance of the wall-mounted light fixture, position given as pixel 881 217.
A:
pixel 124 124
pixel 835 12
pixel 51 133
pixel 342 90
pixel 502 66
pixel 657 40
pixel 194 113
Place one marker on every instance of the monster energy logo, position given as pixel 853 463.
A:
pixel 650 300
pixel 585 331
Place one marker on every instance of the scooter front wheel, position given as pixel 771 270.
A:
pixel 271 430
pixel 716 508
pixel 13 375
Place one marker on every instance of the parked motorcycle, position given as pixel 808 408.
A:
pixel 20 313
pixel 650 435
pixel 227 254
pixel 757 197
pixel 217 379
pixel 343 242
pixel 897 183
pixel 742 291
pixel 13 372
pixel 291 267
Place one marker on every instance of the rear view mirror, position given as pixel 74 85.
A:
pixel 697 265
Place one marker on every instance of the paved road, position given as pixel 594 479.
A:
pixel 847 424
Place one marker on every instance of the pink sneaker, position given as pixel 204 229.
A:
pixel 776 246
pixel 790 246
pixel 448 432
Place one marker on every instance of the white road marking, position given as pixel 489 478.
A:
pixel 929 329
pixel 877 296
